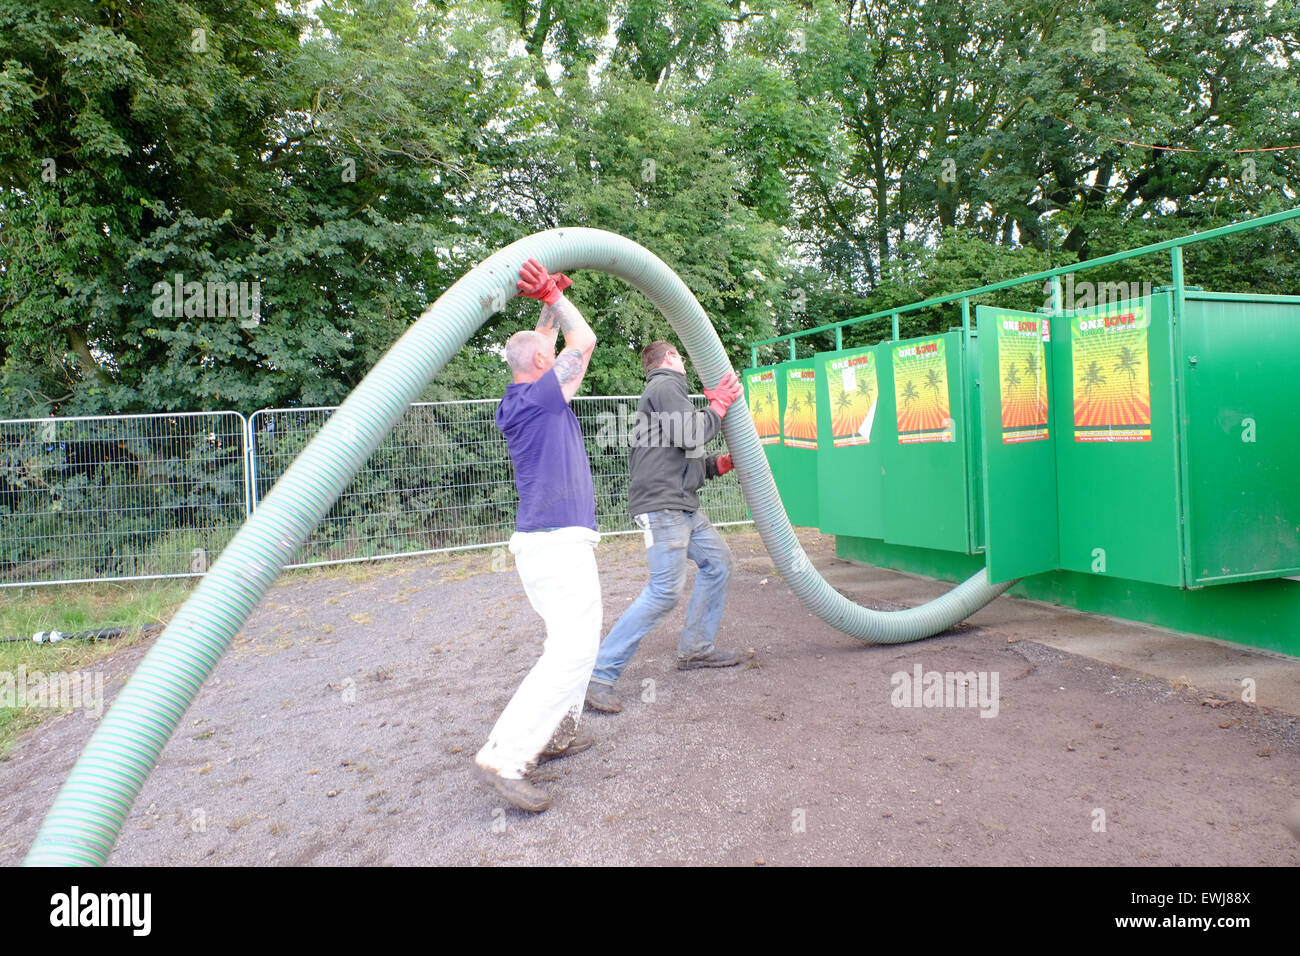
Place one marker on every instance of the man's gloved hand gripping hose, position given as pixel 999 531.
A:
pixel 93 804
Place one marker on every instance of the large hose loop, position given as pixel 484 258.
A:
pixel 93 804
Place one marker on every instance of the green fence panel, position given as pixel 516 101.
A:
pixel 926 483
pixel 1116 441
pixel 850 479
pixel 1019 448
pixel 1239 359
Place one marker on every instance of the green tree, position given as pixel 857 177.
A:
pixel 337 168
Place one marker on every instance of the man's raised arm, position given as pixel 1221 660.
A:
pixel 579 343
pixel 560 315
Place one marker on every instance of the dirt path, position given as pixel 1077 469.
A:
pixel 340 730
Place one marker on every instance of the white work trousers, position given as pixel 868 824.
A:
pixel 558 571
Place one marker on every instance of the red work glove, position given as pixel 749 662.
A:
pixel 536 283
pixel 722 395
pixel 724 464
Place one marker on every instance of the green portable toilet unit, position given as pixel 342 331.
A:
pixel 1124 451
pixel 925 454
pixel 851 430
pixel 799 437
pixel 793 455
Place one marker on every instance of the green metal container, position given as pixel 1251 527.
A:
pixel 789 440
pixel 1152 466
pixel 1239 358
pixel 1139 458
pixel 1110 443
pixel 765 395
pixel 1258 613
pixel 1117 441
pixel 927 481
pixel 797 479
pixel 851 431
pixel 1019 443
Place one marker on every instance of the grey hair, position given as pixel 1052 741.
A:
pixel 521 347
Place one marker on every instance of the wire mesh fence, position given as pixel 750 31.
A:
pixel 442 479
pixel 132 496
pixel 437 482
pixel 147 496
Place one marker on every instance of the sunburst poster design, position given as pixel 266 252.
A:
pixel 1023 379
pixel 800 422
pixel 763 406
pixel 1112 375
pixel 921 392
pixel 853 392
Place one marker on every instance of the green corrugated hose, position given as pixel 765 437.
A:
pixel 93 804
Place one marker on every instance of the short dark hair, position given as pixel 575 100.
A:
pixel 653 355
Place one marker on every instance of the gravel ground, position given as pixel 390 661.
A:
pixel 340 729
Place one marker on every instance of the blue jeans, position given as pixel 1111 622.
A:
pixel 676 536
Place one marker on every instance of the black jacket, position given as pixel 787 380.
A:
pixel 667 440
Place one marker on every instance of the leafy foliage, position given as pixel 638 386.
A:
pixel 796 161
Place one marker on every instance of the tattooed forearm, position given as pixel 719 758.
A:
pixel 563 315
pixel 569 365
pixel 579 342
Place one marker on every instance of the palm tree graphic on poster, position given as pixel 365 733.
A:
pixel 1112 381
pixel 763 406
pixel 1092 378
pixel 921 392
pixel 1034 371
pixel 852 388
pixel 1012 378
pixel 933 382
pixel 1129 364
pixel 800 426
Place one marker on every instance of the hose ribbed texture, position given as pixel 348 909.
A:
pixel 93 804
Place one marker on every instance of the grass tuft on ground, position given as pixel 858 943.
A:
pixel 71 609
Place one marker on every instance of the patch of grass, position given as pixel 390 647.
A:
pixel 71 609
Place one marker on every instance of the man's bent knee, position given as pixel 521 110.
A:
pixel 663 597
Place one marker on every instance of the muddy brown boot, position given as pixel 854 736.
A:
pixel 518 793
pixel 714 658
pixel 602 697
pixel 580 742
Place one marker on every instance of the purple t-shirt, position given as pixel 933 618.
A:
pixel 552 473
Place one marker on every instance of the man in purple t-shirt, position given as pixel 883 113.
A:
pixel 553 544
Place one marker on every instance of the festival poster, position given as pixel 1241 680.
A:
pixel 763 405
pixel 1023 379
pixel 1112 377
pixel 800 428
pixel 921 392
pixel 851 381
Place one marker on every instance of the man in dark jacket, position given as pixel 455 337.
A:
pixel 668 466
